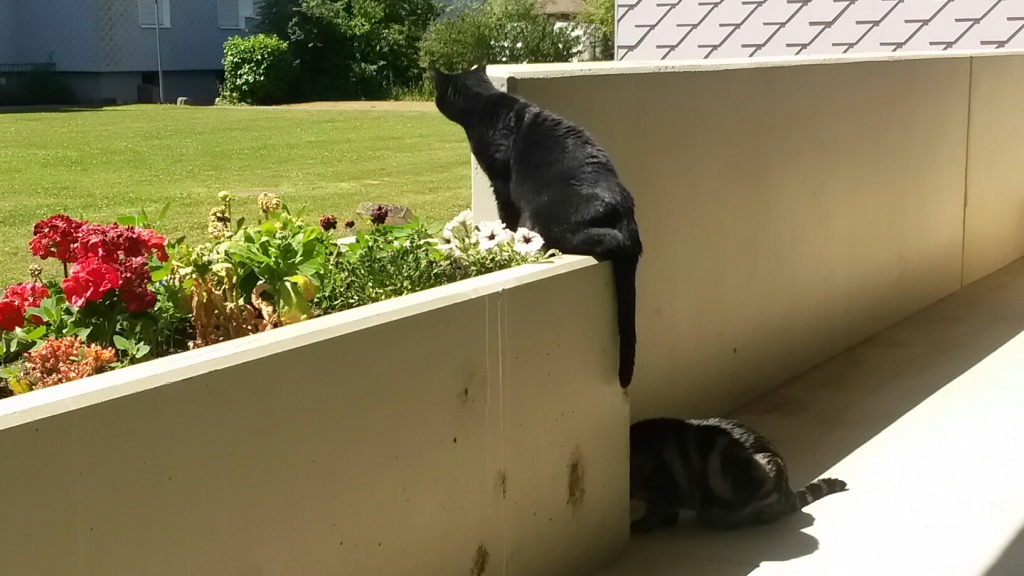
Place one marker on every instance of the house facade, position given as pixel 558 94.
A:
pixel 563 10
pixel 107 49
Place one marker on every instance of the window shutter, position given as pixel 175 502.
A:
pixel 246 8
pixel 147 13
pixel 228 15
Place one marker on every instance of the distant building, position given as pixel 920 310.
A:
pixel 106 49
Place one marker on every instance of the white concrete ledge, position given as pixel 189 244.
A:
pixel 571 69
pixel 474 428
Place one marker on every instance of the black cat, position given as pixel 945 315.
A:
pixel 550 176
pixel 727 473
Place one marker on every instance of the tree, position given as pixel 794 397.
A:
pixel 498 31
pixel 352 48
pixel 601 15
pixel 459 41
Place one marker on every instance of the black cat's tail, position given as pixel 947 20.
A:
pixel 624 269
pixel 817 490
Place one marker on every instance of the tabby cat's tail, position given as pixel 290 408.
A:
pixel 624 267
pixel 818 489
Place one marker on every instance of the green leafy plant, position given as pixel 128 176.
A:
pixel 257 70
pixel 390 261
pixel 498 31
pixel 381 263
pixel 127 295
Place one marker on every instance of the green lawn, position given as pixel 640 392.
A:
pixel 98 164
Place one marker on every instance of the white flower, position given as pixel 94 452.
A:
pixel 453 249
pixel 459 228
pixel 490 234
pixel 528 241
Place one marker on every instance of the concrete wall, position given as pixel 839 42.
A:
pixel 8 29
pixel 476 424
pixel 994 233
pixel 697 29
pixel 792 208
pixel 194 40
pixel 106 36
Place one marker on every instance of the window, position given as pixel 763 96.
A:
pixel 148 12
pixel 231 14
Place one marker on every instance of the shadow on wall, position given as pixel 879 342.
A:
pixel 823 415
pixel 36 87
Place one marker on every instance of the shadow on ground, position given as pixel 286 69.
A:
pixel 689 549
pixel 53 108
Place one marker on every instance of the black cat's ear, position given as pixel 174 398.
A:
pixel 434 72
pixel 480 68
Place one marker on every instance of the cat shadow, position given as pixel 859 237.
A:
pixel 694 549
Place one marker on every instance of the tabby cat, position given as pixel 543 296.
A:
pixel 550 176
pixel 727 473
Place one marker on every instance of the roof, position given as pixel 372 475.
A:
pixel 563 6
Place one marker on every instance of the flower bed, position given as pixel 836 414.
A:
pixel 128 295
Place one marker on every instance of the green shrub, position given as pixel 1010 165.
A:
pixel 458 42
pixel 499 32
pixel 257 70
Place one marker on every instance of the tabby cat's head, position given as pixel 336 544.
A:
pixel 457 94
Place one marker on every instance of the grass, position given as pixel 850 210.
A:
pixel 99 164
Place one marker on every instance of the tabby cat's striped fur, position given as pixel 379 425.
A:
pixel 727 473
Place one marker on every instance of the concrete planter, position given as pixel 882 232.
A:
pixel 474 428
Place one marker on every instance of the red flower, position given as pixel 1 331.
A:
pixel 113 243
pixel 90 279
pixel 135 279
pixel 379 215
pixel 11 316
pixel 106 258
pixel 329 222
pixel 55 237
pixel 154 242
pixel 137 300
pixel 26 295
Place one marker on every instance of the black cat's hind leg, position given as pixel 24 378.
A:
pixel 601 243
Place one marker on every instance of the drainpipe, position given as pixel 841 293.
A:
pixel 159 64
